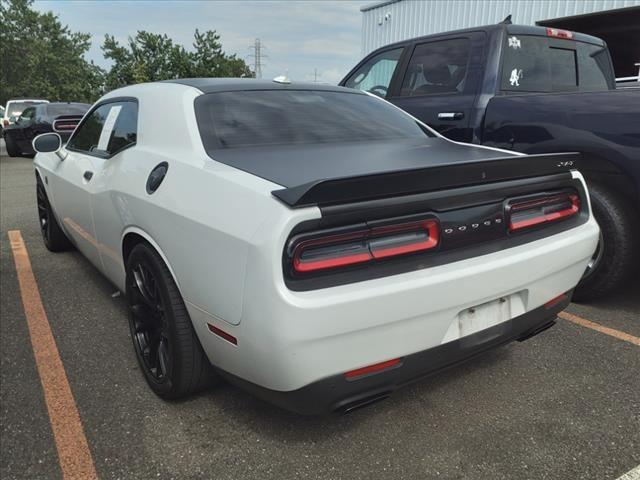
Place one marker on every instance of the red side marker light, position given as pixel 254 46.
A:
pixel 555 300
pixel 375 368
pixel 222 334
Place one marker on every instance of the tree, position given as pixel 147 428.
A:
pixel 42 58
pixel 210 61
pixel 149 57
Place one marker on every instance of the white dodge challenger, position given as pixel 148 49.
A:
pixel 313 244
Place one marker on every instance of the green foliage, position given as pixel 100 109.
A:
pixel 42 58
pixel 148 57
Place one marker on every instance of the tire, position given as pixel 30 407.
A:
pixel 617 255
pixel 52 235
pixel 12 148
pixel 168 350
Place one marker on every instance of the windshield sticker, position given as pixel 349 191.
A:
pixel 109 123
pixel 516 75
pixel 514 42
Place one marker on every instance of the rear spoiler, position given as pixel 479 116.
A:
pixel 66 123
pixel 421 180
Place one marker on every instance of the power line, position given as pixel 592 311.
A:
pixel 257 57
pixel 316 75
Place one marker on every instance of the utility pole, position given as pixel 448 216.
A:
pixel 257 57
pixel 316 75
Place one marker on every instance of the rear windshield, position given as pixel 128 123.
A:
pixel 288 117
pixel 72 109
pixel 541 64
pixel 16 108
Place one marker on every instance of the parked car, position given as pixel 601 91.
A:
pixel 533 90
pixel 316 245
pixel 61 118
pixel 15 107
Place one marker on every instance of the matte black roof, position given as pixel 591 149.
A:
pixel 211 85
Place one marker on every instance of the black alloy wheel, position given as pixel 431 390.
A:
pixel 43 211
pixel 149 330
pixel 52 235
pixel 168 350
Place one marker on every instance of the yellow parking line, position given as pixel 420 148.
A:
pixel 74 455
pixel 600 328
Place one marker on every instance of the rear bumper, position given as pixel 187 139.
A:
pixel 337 394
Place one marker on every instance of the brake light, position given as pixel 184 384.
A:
pixel 366 245
pixel 557 33
pixel 542 210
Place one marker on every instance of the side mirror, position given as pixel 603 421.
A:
pixel 47 143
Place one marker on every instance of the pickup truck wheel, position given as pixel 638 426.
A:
pixel 169 353
pixel 615 258
pixel 12 148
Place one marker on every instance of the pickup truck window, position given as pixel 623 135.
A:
pixel 437 67
pixel 375 74
pixel 536 64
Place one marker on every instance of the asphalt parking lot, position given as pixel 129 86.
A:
pixel 563 405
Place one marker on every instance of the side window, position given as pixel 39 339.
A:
pixel 437 67
pixel 27 115
pixel 87 135
pixel 594 68
pixel 375 75
pixel 107 130
pixel 125 130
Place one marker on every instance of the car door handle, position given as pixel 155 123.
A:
pixel 87 175
pixel 450 115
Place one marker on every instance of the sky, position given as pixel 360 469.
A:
pixel 299 37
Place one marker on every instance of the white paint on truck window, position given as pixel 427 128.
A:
pixel 516 75
pixel 107 128
pixel 514 42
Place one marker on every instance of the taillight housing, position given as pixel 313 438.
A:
pixel 557 33
pixel 530 213
pixel 367 244
pixel 65 125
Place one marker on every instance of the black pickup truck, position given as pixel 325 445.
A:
pixel 532 90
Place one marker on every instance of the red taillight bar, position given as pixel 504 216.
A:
pixel 364 246
pixel 348 258
pixel 557 33
pixel 541 211
pixel 378 367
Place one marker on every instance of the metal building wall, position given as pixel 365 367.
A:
pixel 387 22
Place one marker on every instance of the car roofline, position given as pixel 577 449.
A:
pixel 216 85
pixel 536 30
